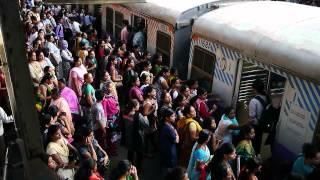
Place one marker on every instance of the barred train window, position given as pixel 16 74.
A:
pixel 109 20
pixel 203 67
pixel 164 47
pixel 118 23
pixel 136 20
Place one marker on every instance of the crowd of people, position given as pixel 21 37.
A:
pixel 93 91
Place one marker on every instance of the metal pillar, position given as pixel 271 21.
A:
pixel 21 93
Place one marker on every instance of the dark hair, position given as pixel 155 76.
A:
pixel 51 131
pixel 46 119
pixel 143 77
pixel 203 136
pixel 173 81
pixel 55 91
pixel 177 173
pixel 309 150
pixel 121 169
pixel 187 110
pixel 178 100
pixel 132 104
pixel 53 110
pixel 173 70
pixel 167 113
pixel 46 77
pixel 224 149
pixel 99 95
pixel 125 22
pixel 245 130
pixel 86 131
pixel 148 90
pixel 252 164
pixel 133 80
pixel 183 88
pixel 84 172
pixel 227 110
pixel 191 82
pixel 164 69
pixel 146 64
pixel 258 85
pixel 62 80
pixel 85 76
pixel 201 91
pixel 207 123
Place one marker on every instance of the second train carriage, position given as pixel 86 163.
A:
pixel 277 42
pixel 168 25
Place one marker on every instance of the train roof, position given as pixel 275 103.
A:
pixel 283 34
pixel 171 10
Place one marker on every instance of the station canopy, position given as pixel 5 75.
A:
pixel 92 1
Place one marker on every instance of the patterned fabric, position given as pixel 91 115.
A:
pixel 245 149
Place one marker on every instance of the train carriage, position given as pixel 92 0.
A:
pixel 168 25
pixel 276 42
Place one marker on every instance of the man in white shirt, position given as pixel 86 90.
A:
pixel 4 118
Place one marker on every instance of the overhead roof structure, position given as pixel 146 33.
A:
pixel 283 34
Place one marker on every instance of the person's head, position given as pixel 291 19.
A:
pixel 47 119
pixel 84 35
pixel 53 111
pixel 147 66
pixel 157 58
pixel 202 93
pixel 169 116
pixel 40 55
pixel 86 169
pixel 164 72
pixel 88 78
pixel 77 61
pixel 230 112
pixel 32 56
pixel 145 79
pixel 106 76
pixel 189 111
pixel 311 153
pixel 177 173
pixel 135 81
pixel 193 84
pixel 87 135
pixel 225 152
pixel 61 83
pixel 133 105
pixel 99 95
pixel 123 168
pixel 258 86
pixel 130 63
pixel 47 79
pixel 166 98
pixel 175 83
pixel 92 54
pixel 49 38
pixel 125 22
pixel 209 123
pixel 147 56
pixel 204 136
pixel 185 90
pixel 247 132
pixel 55 93
pixel 253 165
pixel 180 101
pixel 54 133
pixel 173 71
pixel 150 92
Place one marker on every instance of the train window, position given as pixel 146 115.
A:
pixel 118 23
pixel 203 67
pixel 109 20
pixel 164 46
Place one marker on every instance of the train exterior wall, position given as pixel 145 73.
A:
pixel 300 103
pixel 224 78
